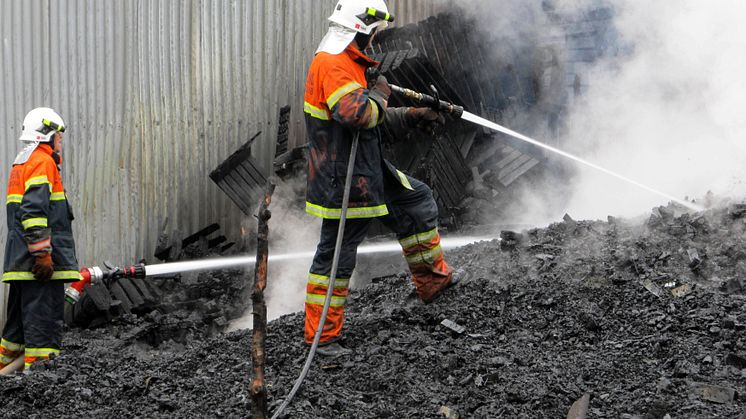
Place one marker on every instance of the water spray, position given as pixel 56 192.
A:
pixel 457 112
pixel 109 273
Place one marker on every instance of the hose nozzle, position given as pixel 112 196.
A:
pixel 97 274
pixel 433 102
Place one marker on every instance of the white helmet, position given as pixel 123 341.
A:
pixel 351 17
pixel 40 124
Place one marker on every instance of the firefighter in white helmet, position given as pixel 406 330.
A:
pixel 39 250
pixel 338 104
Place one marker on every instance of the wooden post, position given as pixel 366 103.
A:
pixel 259 309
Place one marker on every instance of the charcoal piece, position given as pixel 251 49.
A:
pixel 142 287
pixel 132 292
pixel 737 360
pixel 121 295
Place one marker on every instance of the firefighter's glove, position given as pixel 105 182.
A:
pixel 426 120
pixel 380 92
pixel 43 269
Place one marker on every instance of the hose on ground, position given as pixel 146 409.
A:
pixel 332 277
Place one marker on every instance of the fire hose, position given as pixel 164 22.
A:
pixel 332 278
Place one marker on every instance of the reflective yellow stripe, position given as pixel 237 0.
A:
pixel 319 300
pixel 427 256
pixel 339 283
pixel 57 196
pixel 374 114
pixel 34 222
pixel 347 88
pixel 41 351
pixel 11 346
pixel 315 112
pixel 74 275
pixel 415 239
pixel 29 276
pixel 403 180
pixel 39 180
pixel 335 213
pixel 18 276
pixel 14 199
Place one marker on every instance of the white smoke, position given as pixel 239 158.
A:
pixel 667 112
pixel 291 230
pixel 670 114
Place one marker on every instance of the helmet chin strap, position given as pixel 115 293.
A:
pixel 363 40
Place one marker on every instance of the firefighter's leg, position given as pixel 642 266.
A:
pixel 413 215
pixel 43 312
pixel 318 277
pixel 12 343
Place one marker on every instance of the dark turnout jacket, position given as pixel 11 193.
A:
pixel 39 219
pixel 337 104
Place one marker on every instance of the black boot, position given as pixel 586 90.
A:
pixel 333 349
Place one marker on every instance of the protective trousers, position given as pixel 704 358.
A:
pixel 34 321
pixel 413 216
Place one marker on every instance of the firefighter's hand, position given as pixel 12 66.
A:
pixel 426 119
pixel 381 88
pixel 43 269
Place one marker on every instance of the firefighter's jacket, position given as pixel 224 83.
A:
pixel 337 105
pixel 39 219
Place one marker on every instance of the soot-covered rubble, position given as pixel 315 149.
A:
pixel 646 317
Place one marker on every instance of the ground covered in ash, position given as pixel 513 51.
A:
pixel 647 318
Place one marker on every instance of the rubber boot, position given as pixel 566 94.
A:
pixel 457 276
pixel 333 349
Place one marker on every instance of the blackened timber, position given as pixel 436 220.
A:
pixel 241 177
pixel 259 308
pixel 283 128
pixel 132 293
pixel 192 238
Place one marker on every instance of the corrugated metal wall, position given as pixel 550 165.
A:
pixel 156 93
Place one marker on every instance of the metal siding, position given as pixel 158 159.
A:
pixel 157 94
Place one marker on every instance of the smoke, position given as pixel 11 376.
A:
pixel 291 230
pixel 663 106
pixel 669 114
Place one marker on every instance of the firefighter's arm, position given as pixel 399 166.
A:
pixel 396 122
pixel 353 105
pixel 401 121
pixel 34 210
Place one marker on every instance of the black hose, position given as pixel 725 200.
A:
pixel 332 278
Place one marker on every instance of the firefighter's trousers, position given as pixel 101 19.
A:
pixel 34 321
pixel 413 216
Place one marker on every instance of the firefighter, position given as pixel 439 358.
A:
pixel 339 105
pixel 39 250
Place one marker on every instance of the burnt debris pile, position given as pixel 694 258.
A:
pixel 172 309
pixel 647 318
